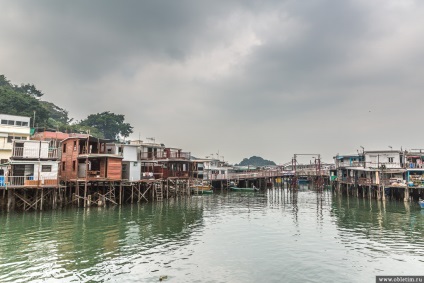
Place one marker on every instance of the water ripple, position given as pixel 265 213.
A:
pixel 228 237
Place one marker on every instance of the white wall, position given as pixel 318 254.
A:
pixel 32 149
pixel 130 153
pixel 135 170
pixel 375 159
pixel 39 175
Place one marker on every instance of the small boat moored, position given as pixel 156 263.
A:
pixel 236 189
pixel 421 202
pixel 203 188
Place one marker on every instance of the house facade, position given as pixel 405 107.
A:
pixel 131 163
pixel 32 163
pixel 87 158
pixel 12 128
pixel 382 167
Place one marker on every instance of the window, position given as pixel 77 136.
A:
pixel 2 161
pixel 64 148
pixel 135 164
pixel 391 159
pixel 12 138
pixel 18 123
pixel 74 165
pixel 46 168
pixel 11 122
pixel 4 122
pixel 75 145
pixel 63 165
pixel 25 124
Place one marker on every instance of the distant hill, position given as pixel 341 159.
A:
pixel 256 161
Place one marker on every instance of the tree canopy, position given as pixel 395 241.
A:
pixel 15 102
pixel 111 125
pixel 25 99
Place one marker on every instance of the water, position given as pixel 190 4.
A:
pixel 231 237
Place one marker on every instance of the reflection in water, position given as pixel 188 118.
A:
pixel 373 225
pixel 273 236
pixel 62 242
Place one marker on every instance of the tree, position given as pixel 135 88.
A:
pixel 4 81
pixel 111 125
pixel 29 89
pixel 14 102
pixel 59 115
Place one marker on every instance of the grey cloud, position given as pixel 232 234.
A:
pixel 306 84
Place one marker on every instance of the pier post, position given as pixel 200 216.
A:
pixel 77 193
pixel 406 198
pixel 384 193
pixel 54 198
pixel 132 193
pixel 10 200
pixel 120 192
pixel 85 193
pixel 36 198
pixel 42 199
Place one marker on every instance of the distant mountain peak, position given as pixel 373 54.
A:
pixel 256 161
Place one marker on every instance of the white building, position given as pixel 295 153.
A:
pixel 32 164
pixel 131 164
pixel 384 159
pixel 12 128
pixel 215 169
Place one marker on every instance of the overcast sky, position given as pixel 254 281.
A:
pixel 266 78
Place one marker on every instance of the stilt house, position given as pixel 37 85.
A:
pixel 87 158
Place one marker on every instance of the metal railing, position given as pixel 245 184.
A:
pixel 28 181
pixel 164 155
pixel 24 152
pixel 182 174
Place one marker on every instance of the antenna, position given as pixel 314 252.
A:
pixel 151 139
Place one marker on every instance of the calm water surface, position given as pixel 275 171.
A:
pixel 275 236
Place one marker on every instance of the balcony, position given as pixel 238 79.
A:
pixel 164 155
pixel 28 181
pixel 34 153
pixel 365 181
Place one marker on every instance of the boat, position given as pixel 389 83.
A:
pixel 302 180
pixel 421 202
pixel 203 188
pixel 202 192
pixel 237 189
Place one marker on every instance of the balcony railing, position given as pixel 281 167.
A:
pixel 365 181
pixel 28 181
pixel 23 152
pixel 164 155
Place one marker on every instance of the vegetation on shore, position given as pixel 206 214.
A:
pixel 25 100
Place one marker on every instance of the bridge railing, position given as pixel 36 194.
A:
pixel 271 173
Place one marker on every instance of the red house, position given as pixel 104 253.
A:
pixel 86 158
